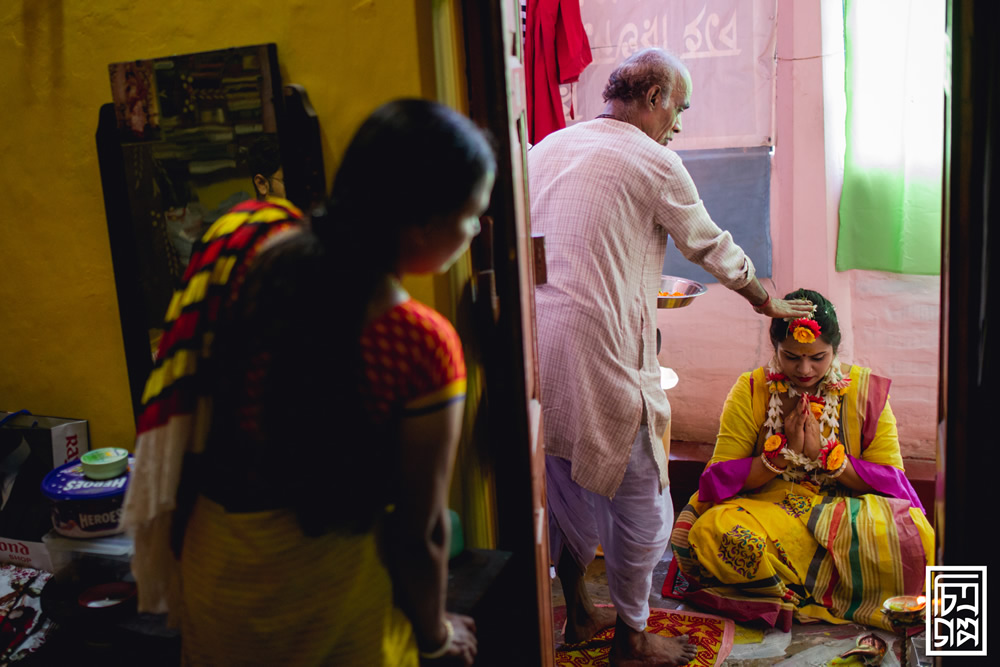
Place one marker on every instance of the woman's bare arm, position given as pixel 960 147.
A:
pixel 418 530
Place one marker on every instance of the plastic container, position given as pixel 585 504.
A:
pixel 83 507
pixel 113 550
pixel 104 463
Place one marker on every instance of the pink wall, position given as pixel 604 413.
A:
pixel 889 321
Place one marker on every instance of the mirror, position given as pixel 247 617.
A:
pixel 189 128
pixel 178 147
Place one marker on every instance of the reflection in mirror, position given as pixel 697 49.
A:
pixel 186 138
pixel 196 131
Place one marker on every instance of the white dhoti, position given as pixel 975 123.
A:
pixel 633 528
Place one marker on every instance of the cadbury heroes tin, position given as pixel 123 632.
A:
pixel 84 507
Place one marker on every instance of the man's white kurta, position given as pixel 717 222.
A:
pixel 606 196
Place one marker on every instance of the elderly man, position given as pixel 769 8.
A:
pixel 606 194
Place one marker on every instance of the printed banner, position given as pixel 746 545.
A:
pixel 728 45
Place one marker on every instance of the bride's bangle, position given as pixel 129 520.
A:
pixel 445 647
pixel 770 466
pixel 839 471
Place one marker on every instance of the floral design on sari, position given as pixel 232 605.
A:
pixel 783 556
pixel 795 505
pixel 742 549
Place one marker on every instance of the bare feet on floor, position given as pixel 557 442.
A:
pixel 585 624
pixel 583 619
pixel 644 649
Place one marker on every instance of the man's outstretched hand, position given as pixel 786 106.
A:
pixel 793 308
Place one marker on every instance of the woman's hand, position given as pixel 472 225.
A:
pixel 813 436
pixel 463 642
pixel 795 426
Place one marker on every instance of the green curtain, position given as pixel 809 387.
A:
pixel 890 208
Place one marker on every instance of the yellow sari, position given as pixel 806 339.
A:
pixel 794 549
pixel 259 592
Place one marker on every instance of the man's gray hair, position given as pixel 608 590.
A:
pixel 630 81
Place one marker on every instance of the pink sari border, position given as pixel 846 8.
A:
pixel 911 548
pixel 887 480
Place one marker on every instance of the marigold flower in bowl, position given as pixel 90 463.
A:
pixel 677 292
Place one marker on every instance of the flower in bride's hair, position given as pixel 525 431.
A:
pixel 804 330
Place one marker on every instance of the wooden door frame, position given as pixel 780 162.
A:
pixel 510 373
pixel 970 295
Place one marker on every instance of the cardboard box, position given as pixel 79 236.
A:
pixel 53 440
pixel 26 554
pixel 31 446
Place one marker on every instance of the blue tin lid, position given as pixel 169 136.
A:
pixel 67 482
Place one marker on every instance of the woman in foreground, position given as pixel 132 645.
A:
pixel 318 436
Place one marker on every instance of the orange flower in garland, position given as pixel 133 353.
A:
pixel 831 457
pixel 774 445
pixel 804 330
pixel 816 405
pixel 835 458
pixel 777 383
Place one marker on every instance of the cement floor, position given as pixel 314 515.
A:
pixel 804 645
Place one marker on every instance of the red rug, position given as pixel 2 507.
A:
pixel 712 634
pixel 672 587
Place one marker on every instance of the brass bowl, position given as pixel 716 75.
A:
pixel 688 288
pixel 905 609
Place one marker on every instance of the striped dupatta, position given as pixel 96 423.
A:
pixel 177 405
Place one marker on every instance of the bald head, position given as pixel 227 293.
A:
pixel 631 80
pixel 649 90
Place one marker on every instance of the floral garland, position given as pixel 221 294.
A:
pixel 825 408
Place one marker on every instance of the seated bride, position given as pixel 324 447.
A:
pixel 804 509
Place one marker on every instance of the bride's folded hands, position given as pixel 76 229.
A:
pixel 812 436
pixel 795 426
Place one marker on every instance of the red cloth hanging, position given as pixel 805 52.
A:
pixel 556 50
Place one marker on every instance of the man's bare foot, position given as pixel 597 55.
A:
pixel 644 649
pixel 585 624
pixel 584 620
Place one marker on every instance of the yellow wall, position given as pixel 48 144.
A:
pixel 60 341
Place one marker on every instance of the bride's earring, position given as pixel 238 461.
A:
pixel 773 365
